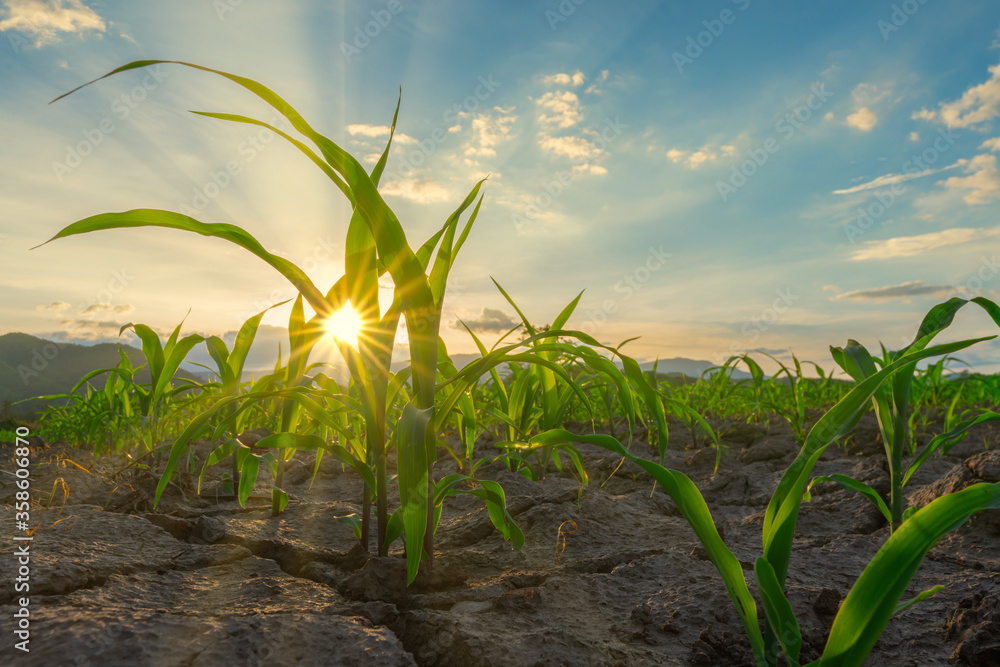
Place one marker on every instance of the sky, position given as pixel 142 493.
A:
pixel 717 177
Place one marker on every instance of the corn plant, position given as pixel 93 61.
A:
pixel 163 361
pixel 375 244
pixel 892 402
pixel 229 370
pixel 875 596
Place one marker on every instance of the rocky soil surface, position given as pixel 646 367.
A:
pixel 610 573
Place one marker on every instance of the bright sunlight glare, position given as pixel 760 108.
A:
pixel 344 325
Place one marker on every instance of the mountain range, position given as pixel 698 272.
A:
pixel 32 366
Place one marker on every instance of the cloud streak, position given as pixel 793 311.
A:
pixel 901 291
pixel 909 246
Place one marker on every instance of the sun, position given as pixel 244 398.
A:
pixel 344 325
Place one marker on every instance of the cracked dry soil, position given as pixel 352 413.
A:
pixel 200 581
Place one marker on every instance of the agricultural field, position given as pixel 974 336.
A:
pixel 367 443
pixel 549 503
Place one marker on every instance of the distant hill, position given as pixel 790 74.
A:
pixel 31 366
pixel 692 368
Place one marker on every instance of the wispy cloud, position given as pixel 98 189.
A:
pixel 978 104
pixel 902 291
pixel 908 246
pixel 890 179
pixel 57 306
pixel 44 20
pixel 705 154
pixel 375 131
pixel 120 308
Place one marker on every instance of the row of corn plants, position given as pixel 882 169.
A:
pixel 552 373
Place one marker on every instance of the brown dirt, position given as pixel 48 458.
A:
pixel 200 581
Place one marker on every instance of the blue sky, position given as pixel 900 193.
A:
pixel 719 177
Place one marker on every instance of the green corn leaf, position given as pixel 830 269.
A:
pixel 782 511
pixel 852 484
pixel 279 500
pixel 414 438
pixel 308 152
pixel 778 611
pixel 906 604
pixel 314 442
pixel 873 599
pixel 946 438
pixel 219 351
pixel 218 454
pixel 145 217
pixel 446 253
pixel 152 349
pixel 248 476
pixel 352 521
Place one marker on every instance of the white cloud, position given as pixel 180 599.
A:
pixel 890 179
pixel 489 130
pixel 976 105
pixel 575 148
pixel 593 169
pixel 863 119
pixel 908 246
pixel 914 136
pixel 575 79
pixel 866 98
pixel 423 192
pixel 375 131
pixel 675 155
pixel 992 144
pixel 559 110
pixel 699 158
pixel 983 181
pixel 44 20
pixel 705 154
